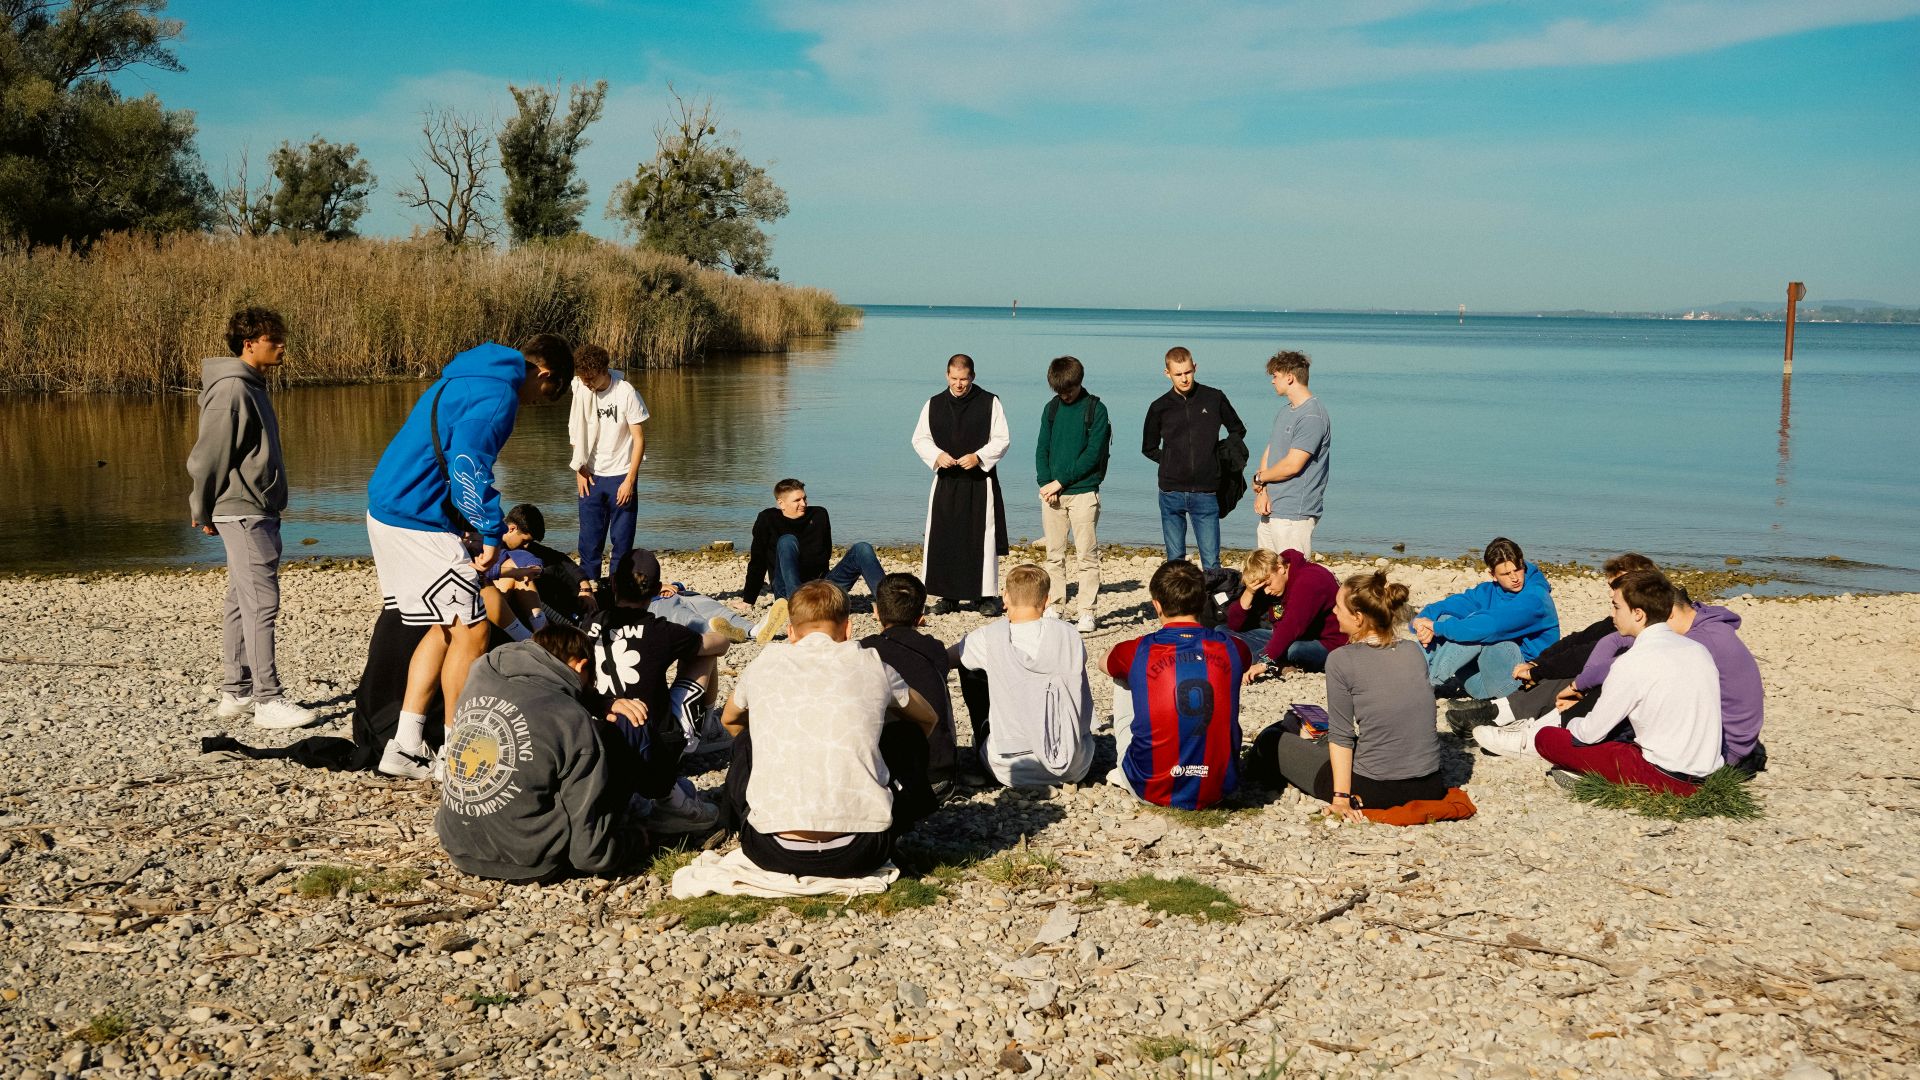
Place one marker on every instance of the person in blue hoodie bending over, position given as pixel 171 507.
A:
pixel 435 525
pixel 1476 638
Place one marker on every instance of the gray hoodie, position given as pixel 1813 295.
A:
pixel 235 463
pixel 529 789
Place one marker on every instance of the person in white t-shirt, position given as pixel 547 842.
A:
pixel 1024 679
pixel 607 428
pixel 821 783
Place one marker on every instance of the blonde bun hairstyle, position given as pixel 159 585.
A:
pixel 1380 603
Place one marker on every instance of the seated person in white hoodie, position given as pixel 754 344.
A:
pixel 1024 679
pixel 1666 688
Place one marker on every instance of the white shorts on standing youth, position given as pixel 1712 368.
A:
pixel 1278 534
pixel 426 576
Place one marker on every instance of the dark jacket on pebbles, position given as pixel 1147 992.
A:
pixel 529 790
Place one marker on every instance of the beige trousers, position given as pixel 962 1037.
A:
pixel 1081 515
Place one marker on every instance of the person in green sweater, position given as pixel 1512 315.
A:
pixel 1070 458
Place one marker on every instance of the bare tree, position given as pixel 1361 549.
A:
pixel 451 184
pixel 245 210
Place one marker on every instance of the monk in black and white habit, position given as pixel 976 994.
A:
pixel 962 434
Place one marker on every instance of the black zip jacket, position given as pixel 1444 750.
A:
pixel 1181 433
pixel 1565 658
pixel 815 531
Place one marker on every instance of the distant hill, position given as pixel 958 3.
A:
pixel 1781 302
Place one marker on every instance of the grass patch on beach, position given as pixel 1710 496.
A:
pixel 1162 1047
pixel 104 1027
pixel 701 911
pixel 1723 794
pixel 1021 868
pixel 667 861
pixel 1214 816
pixel 1181 896
pixel 484 1000
pixel 321 882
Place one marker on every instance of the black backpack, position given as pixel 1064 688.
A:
pixel 1223 585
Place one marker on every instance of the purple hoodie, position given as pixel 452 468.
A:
pixel 1743 697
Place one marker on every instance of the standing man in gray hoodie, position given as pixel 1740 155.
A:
pixel 239 489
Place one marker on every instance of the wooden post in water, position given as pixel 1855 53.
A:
pixel 1796 292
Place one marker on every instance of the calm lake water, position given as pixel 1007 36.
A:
pixel 1576 437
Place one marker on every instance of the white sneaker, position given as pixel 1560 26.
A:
pixel 723 625
pixel 439 768
pixel 405 764
pixel 682 811
pixel 281 714
pixel 232 708
pixel 1052 612
pixel 712 735
pixel 1085 624
pixel 1514 740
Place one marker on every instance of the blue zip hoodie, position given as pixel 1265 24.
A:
pixel 476 416
pixel 1488 613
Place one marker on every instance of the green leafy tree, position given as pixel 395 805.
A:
pixel 701 199
pixel 76 158
pixel 544 197
pixel 320 189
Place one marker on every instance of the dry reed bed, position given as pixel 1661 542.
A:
pixel 135 314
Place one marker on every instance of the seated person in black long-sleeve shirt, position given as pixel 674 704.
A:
pixel 1546 675
pixel 793 542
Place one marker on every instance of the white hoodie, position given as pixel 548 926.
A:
pixel 1041 706
pixel 600 425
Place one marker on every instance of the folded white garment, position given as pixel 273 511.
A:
pixel 733 874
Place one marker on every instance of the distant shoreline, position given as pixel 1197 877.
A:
pixel 1806 315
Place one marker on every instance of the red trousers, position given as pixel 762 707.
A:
pixel 1618 762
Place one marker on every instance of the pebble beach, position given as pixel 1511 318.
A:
pixel 165 912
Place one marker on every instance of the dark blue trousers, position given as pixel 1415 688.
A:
pixel 599 516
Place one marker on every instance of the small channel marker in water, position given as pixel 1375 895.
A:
pixel 1463 314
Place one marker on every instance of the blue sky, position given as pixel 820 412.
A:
pixel 1613 154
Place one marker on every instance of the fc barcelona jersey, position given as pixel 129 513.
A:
pixel 1185 745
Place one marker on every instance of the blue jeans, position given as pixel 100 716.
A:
pixel 859 563
pixel 1203 509
pixel 1304 655
pixel 599 516
pixel 1480 671
pixel 696 612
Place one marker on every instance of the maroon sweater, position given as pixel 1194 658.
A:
pixel 1306 608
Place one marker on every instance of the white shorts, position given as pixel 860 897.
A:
pixel 428 577
pixel 1279 534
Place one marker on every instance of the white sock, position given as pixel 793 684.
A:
pixel 411 734
pixel 517 631
pixel 1503 712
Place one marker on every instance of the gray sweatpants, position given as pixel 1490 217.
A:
pixel 253 606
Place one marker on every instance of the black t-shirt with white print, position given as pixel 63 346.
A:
pixel 632 650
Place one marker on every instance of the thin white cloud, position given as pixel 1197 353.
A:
pixel 996 54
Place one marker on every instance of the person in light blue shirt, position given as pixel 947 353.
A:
pixel 1290 486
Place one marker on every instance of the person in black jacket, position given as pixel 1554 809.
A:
pixel 1182 429
pixel 1545 676
pixel 921 661
pixel 793 542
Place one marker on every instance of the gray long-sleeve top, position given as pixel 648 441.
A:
pixel 1380 704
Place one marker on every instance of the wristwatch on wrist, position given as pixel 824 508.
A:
pixel 1347 795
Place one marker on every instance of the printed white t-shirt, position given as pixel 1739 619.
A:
pixel 600 425
pixel 815 708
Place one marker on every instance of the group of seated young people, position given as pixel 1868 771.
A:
pixel 839 746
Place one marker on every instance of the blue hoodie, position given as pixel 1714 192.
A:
pixel 476 416
pixel 1488 613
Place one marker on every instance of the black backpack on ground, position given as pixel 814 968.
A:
pixel 1223 584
